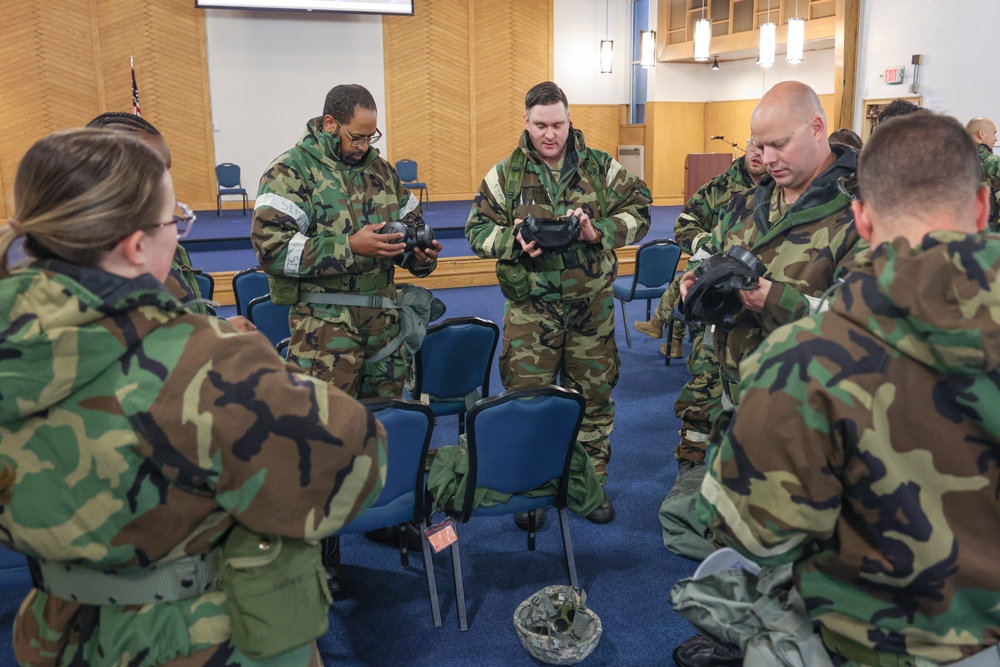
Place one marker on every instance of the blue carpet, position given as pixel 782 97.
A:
pixel 623 565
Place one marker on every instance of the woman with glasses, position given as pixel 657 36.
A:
pixel 182 281
pixel 134 434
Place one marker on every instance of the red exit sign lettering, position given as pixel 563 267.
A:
pixel 893 75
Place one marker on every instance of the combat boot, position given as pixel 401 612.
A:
pixel 676 349
pixel 653 328
pixel 603 514
pixel 663 349
pixel 701 651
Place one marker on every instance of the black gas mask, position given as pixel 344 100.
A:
pixel 714 298
pixel 550 234
pixel 415 234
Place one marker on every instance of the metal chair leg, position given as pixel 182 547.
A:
pixel 432 590
pixel 628 335
pixel 568 547
pixel 456 567
pixel 670 339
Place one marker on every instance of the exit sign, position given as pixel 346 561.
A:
pixel 893 75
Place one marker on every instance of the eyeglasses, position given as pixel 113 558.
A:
pixel 184 218
pixel 359 141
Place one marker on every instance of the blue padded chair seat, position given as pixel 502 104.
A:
pixel 397 511
pixel 517 503
pixel 622 286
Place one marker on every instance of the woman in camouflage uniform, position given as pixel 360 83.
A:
pixel 134 433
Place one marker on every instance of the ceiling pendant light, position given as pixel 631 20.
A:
pixel 647 48
pixel 607 45
pixel 702 37
pixel 767 40
pixel 796 38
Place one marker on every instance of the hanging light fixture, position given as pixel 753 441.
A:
pixel 796 37
pixel 647 48
pixel 767 40
pixel 715 63
pixel 607 45
pixel 702 36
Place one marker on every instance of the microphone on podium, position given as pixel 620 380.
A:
pixel 718 136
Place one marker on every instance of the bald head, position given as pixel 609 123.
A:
pixel 790 127
pixel 983 131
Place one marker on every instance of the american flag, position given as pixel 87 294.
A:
pixel 135 90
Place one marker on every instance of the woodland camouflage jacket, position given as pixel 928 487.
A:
pixel 310 202
pixel 701 212
pixel 805 250
pixel 140 433
pixel 624 221
pixel 865 450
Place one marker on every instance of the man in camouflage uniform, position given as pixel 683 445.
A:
pixel 984 133
pixel 699 400
pixel 559 321
pixel 864 447
pixel 799 224
pixel 316 225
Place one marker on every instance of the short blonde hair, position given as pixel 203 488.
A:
pixel 79 192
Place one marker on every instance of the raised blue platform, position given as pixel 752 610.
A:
pixel 222 243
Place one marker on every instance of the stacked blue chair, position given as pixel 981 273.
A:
pixel 519 441
pixel 407 170
pixel 269 318
pixel 228 176
pixel 408 426
pixel 452 366
pixel 247 286
pixel 655 266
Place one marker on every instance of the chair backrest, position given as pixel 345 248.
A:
pixel 408 426
pixel 247 286
pixel 520 440
pixel 206 285
pixel 456 357
pixel 656 262
pixel 13 570
pixel 269 318
pixel 228 175
pixel 407 170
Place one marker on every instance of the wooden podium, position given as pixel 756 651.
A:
pixel 700 168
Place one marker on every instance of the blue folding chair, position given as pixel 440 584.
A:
pixel 452 366
pixel 13 570
pixel 269 318
pixel 206 284
pixel 408 426
pixel 228 176
pixel 247 286
pixel 407 170
pixel 655 266
pixel 519 441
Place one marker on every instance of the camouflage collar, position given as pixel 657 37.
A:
pixel 112 294
pixel 832 191
pixel 934 303
pixel 325 147
pixel 576 150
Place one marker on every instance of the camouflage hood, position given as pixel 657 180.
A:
pixel 60 318
pixel 829 193
pixel 325 147
pixel 898 297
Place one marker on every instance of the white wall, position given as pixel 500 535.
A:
pixel 957 41
pixel 579 28
pixel 738 79
pixel 269 72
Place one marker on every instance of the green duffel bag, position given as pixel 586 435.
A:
pixel 276 592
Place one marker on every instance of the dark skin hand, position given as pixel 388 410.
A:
pixel 367 242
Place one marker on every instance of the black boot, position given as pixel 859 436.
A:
pixel 330 547
pixel 521 519
pixel 702 651
pixel 603 514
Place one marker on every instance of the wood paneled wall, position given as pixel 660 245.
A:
pixel 456 75
pixel 62 63
pixel 599 124
pixel 674 129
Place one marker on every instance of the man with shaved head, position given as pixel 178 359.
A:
pixel 798 223
pixel 984 133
